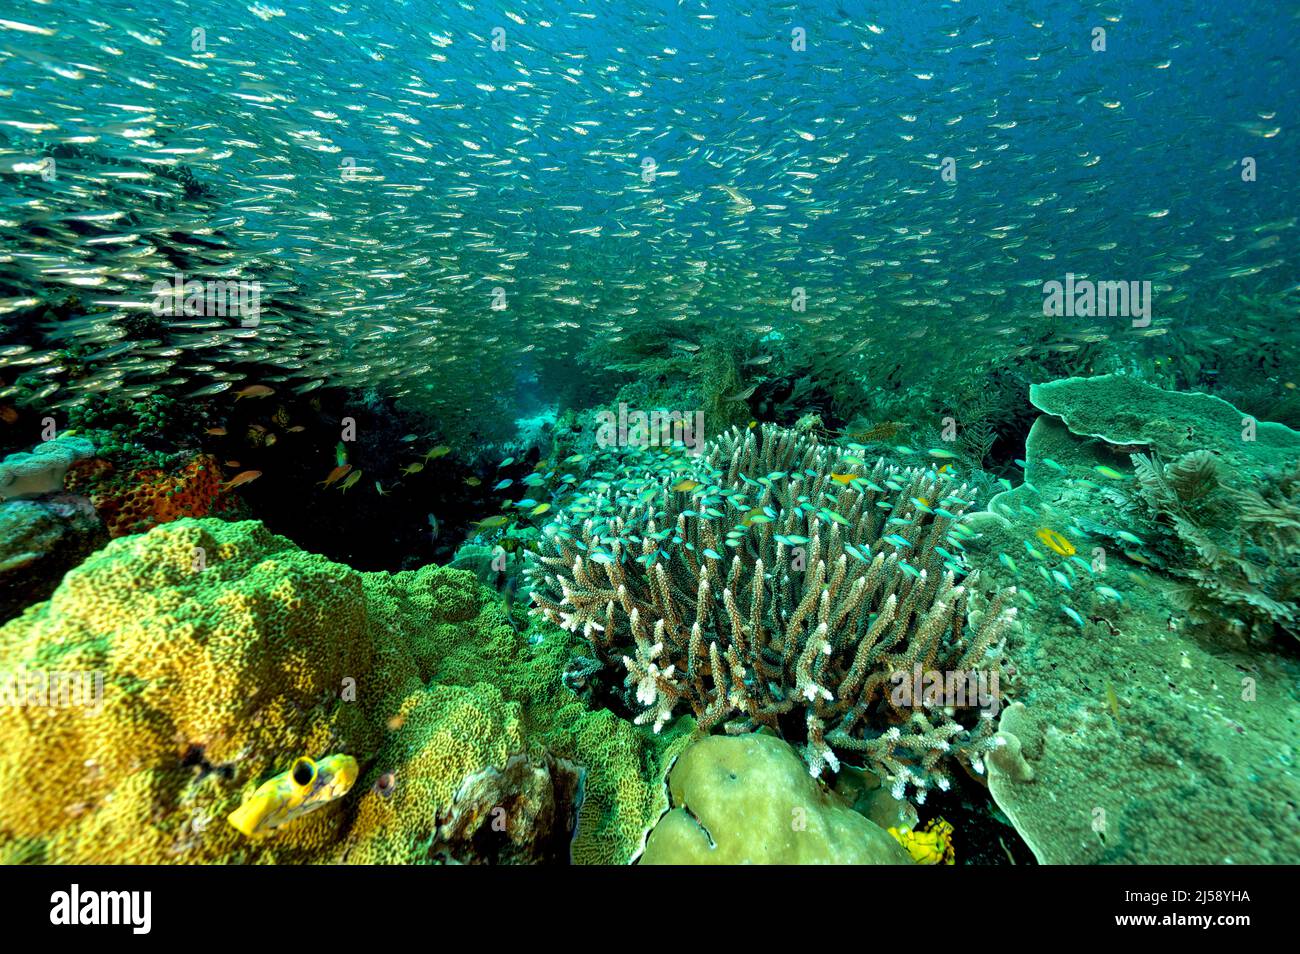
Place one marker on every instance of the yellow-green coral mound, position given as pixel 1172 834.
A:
pixel 226 652
pixel 748 800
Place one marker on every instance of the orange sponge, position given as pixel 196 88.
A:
pixel 149 497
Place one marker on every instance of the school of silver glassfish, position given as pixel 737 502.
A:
pixel 431 203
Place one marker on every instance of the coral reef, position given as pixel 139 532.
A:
pixel 42 470
pixel 140 433
pixel 747 800
pixel 1126 412
pixel 1137 742
pixel 1213 497
pixel 224 653
pixel 691 369
pixel 533 802
pixel 143 499
pixel 1235 536
pixel 40 540
pixel 841 576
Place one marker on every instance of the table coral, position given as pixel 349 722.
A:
pixel 1138 741
pixel 226 653
pixel 1124 411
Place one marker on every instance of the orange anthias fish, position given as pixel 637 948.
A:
pixel 335 475
pixel 247 477
pixel 254 391
pixel 217 431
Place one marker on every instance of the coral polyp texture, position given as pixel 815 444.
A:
pixel 222 654
pixel 786 583
pixel 41 471
pixel 151 496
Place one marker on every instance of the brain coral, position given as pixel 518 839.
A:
pixel 225 653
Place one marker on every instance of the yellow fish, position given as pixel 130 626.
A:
pixel 304 788
pixel 843 479
pixel 442 450
pixel 539 510
pixel 686 486
pixel 350 480
pixel 1055 542
pixel 412 469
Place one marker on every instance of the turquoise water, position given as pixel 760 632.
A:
pixel 438 200
pixel 973 323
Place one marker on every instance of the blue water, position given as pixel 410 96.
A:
pixel 774 169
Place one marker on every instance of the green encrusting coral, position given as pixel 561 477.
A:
pixel 1142 739
pixel 226 653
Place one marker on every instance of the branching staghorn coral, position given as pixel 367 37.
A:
pixel 840 576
